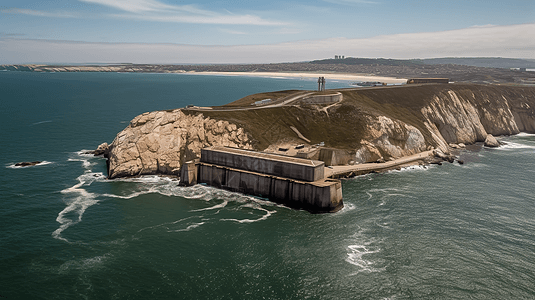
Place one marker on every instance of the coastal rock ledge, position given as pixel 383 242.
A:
pixel 369 125
pixel 159 142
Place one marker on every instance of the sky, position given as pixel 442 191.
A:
pixel 177 31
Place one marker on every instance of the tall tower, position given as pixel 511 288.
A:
pixel 321 84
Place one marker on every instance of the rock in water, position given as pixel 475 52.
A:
pixel 102 149
pixel 491 141
pixel 27 164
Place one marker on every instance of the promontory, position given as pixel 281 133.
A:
pixel 358 125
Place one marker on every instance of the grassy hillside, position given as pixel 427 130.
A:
pixel 343 125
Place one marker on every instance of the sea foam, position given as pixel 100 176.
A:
pixel 523 134
pixel 356 257
pixel 253 206
pixel 514 146
pixel 77 198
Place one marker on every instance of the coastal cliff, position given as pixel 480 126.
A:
pixel 159 142
pixel 368 125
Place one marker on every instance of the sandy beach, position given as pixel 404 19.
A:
pixel 332 76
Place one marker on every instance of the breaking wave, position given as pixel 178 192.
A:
pixel 523 134
pixel 514 146
pixel 78 199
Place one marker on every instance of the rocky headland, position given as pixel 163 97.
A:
pixel 368 125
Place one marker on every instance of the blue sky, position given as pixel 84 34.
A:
pixel 172 31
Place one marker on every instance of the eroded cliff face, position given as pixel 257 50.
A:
pixel 159 142
pixel 386 138
pixel 466 117
pixel 375 124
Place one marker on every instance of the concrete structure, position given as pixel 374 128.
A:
pixel 264 163
pixel 262 102
pixel 334 157
pixel 321 84
pixel 188 173
pixel 294 182
pixel 427 80
pixel 322 99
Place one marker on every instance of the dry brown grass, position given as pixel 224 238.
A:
pixel 343 126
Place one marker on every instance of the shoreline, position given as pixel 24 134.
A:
pixel 311 75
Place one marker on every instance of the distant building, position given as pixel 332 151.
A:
pixel 339 57
pixel 427 80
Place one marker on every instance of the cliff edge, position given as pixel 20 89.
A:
pixel 368 125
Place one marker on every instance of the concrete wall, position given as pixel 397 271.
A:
pixel 270 164
pixel 322 99
pixel 334 157
pixel 319 196
pixel 188 173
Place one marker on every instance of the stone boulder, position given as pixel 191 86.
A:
pixel 491 141
pixel 27 163
pixel 102 149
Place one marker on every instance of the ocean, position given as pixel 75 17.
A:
pixel 438 232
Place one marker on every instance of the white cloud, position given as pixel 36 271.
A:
pixel 504 41
pixel 141 6
pixel 201 19
pixel 152 10
pixel 38 13
pixel 229 31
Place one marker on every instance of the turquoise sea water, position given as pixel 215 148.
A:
pixel 443 232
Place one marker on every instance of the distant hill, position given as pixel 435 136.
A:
pixel 486 62
pixel 369 61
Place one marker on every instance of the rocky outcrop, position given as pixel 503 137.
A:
pixel 387 138
pixel 27 163
pixel 102 149
pixel 159 142
pixel 491 141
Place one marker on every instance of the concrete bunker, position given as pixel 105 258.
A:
pixel 295 182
